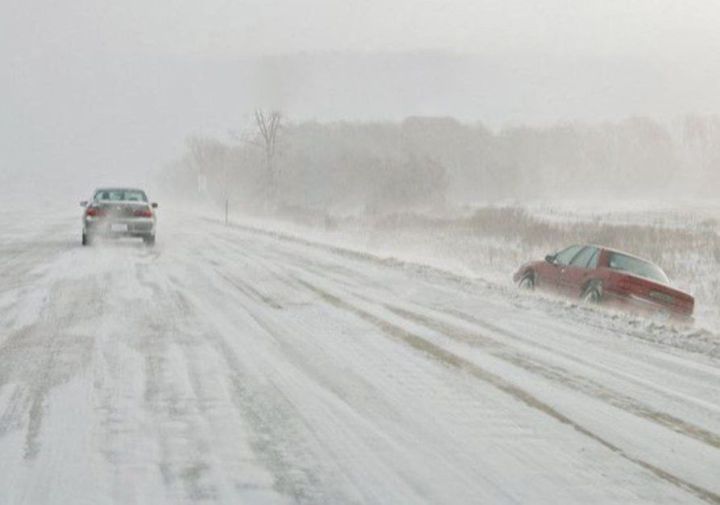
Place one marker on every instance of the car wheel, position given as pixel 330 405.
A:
pixel 86 240
pixel 592 295
pixel 527 282
pixel 149 240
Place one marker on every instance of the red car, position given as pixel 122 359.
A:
pixel 600 275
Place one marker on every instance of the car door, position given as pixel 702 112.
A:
pixel 572 278
pixel 549 276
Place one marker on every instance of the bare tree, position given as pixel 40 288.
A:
pixel 268 124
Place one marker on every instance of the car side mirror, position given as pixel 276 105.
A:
pixel 83 203
pixel 550 258
pixel 154 205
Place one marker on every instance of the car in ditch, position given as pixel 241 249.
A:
pixel 601 275
pixel 118 213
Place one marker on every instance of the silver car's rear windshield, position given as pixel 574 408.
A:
pixel 120 195
pixel 638 267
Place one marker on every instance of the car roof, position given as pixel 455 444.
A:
pixel 98 190
pixel 611 250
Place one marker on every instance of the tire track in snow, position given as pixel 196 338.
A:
pixel 503 385
pixel 307 366
pixel 560 376
pixel 279 435
pixel 515 356
pixel 42 357
pixel 198 401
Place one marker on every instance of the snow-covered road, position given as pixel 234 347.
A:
pixel 231 366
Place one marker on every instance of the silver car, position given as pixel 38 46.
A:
pixel 119 212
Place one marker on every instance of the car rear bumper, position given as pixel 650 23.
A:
pixel 138 227
pixel 646 306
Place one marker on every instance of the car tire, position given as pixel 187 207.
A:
pixel 592 294
pixel 86 239
pixel 527 282
pixel 149 240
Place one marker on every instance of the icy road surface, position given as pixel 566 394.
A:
pixel 231 366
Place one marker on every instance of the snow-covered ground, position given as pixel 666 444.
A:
pixel 230 365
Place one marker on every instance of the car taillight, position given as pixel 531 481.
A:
pixel 93 212
pixel 143 213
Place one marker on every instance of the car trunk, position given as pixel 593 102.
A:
pixel 656 293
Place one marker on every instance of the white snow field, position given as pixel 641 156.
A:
pixel 233 366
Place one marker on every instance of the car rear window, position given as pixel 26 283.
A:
pixel 637 267
pixel 121 195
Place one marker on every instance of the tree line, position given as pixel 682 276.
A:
pixel 428 163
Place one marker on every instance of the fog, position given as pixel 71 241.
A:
pixel 359 252
pixel 94 92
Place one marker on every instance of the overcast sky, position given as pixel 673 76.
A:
pixel 39 29
pixel 92 86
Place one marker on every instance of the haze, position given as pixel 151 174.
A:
pixel 359 252
pixel 108 89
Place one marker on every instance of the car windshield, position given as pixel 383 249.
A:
pixel 564 256
pixel 121 195
pixel 637 267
